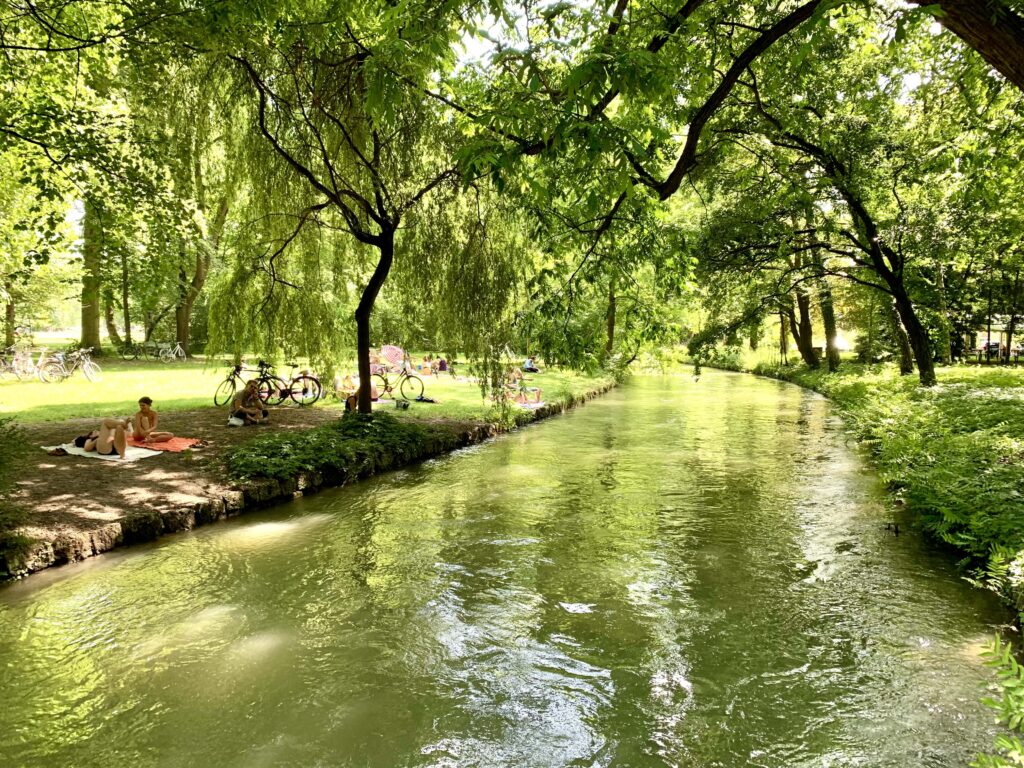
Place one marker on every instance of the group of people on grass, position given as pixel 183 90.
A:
pixel 247 407
pixel 113 434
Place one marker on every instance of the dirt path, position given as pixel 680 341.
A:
pixel 79 505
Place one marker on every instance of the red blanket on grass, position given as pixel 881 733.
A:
pixel 174 445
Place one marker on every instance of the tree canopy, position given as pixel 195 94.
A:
pixel 591 180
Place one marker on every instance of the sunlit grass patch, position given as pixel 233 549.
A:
pixel 173 387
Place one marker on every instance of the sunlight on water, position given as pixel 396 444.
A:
pixel 679 574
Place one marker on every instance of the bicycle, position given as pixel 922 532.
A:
pixel 25 367
pixel 304 389
pixel 61 366
pixel 170 354
pixel 130 351
pixel 272 388
pixel 408 385
pixel 8 363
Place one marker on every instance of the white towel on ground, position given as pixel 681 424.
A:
pixel 131 453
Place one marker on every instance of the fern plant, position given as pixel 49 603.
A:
pixel 1009 704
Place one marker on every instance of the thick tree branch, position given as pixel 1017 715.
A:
pixel 688 158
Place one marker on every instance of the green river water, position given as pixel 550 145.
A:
pixel 680 573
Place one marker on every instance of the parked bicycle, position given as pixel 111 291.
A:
pixel 304 389
pixel 170 354
pixel 61 365
pixel 24 366
pixel 408 385
pixel 130 351
pixel 272 388
pixel 8 365
pixel 148 349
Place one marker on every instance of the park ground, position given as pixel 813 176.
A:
pixel 71 507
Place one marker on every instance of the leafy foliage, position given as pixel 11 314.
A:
pixel 1009 706
pixel 356 446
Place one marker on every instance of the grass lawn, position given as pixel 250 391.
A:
pixel 173 387
pixel 190 385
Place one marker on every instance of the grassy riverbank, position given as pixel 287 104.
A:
pixel 299 450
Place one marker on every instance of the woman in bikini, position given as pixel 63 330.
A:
pixel 110 438
pixel 144 424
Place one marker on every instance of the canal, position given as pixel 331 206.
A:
pixel 680 573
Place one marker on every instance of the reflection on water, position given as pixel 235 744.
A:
pixel 679 574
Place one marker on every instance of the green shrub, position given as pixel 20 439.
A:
pixel 1009 705
pixel 357 445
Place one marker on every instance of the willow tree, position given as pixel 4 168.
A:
pixel 339 103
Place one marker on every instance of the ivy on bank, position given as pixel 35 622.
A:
pixel 356 446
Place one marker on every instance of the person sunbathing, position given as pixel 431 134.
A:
pixel 523 395
pixel 144 424
pixel 111 437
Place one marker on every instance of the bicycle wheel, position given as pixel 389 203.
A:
pixel 166 355
pixel 92 371
pixel 128 352
pixel 151 351
pixel 225 391
pixel 273 390
pixel 51 372
pixel 305 389
pixel 382 385
pixel 412 387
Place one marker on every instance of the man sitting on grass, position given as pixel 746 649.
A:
pixel 247 406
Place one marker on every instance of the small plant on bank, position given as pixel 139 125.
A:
pixel 1009 704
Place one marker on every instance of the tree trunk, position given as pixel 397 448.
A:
pixel 783 338
pixel 126 314
pixel 92 258
pixel 609 342
pixel 900 337
pixel 386 245
pixel 991 27
pixel 828 317
pixel 108 316
pixel 9 314
pixel 803 333
pixel 1011 326
pixel 943 344
pixel 917 336
pixel 189 294
pixel 182 310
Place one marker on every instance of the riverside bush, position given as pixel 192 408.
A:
pixel 357 445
